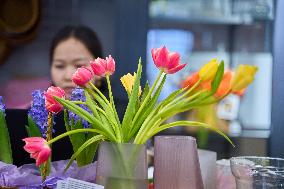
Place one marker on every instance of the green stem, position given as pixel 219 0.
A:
pixel 186 93
pixel 147 97
pixel 99 92
pixel 168 108
pixel 191 123
pixel 117 129
pixel 48 138
pixel 111 97
pixel 79 102
pixel 71 133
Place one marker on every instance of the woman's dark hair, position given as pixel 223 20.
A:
pixel 82 33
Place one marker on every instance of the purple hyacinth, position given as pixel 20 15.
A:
pixel 38 111
pixel 78 95
pixel 2 105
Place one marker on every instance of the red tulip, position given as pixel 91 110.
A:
pixel 110 64
pixel 102 67
pixel 38 149
pixel 50 103
pixel 82 76
pixel 168 62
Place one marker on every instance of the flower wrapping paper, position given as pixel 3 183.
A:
pixel 28 176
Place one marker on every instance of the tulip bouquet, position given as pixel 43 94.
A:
pixel 207 114
pixel 145 116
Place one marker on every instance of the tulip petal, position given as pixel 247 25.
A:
pixel 82 76
pixel 174 59
pixel 175 69
pixel 161 57
pixel 208 71
pixel 43 156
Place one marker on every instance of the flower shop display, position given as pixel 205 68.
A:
pixel 94 119
pixel 91 117
pixel 216 114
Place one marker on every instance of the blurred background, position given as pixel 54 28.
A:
pixel 236 31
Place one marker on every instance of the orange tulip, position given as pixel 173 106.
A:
pixel 241 92
pixel 190 80
pixel 225 85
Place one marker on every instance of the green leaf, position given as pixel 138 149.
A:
pixel 170 98
pixel 75 109
pixel 66 121
pixel 147 109
pixel 92 149
pixel 110 115
pixel 145 92
pixel 86 144
pixel 190 124
pixel 91 104
pixel 5 145
pixel 96 124
pixel 77 140
pixel 32 128
pixel 218 77
pixel 131 107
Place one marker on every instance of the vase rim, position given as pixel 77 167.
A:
pixel 179 137
pixel 238 160
pixel 122 143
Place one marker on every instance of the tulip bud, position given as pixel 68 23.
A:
pixel 128 82
pixel 243 77
pixel 82 76
pixel 208 71
pixel 50 103
pixel 102 67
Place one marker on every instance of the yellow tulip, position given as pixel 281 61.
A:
pixel 208 71
pixel 128 82
pixel 243 77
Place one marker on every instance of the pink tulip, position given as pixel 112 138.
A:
pixel 82 76
pixel 167 61
pixel 102 67
pixel 38 149
pixel 50 103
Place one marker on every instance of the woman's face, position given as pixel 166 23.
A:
pixel 68 56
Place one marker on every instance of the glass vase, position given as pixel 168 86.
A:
pixel 122 165
pixel 253 172
pixel 176 163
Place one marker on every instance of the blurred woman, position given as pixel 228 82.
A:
pixel 71 48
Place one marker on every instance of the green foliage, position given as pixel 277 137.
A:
pixel 5 145
pixel 32 128
pixel 78 139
